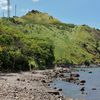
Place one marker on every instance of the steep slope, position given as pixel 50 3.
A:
pixel 38 40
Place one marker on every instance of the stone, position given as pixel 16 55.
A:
pixel 83 81
pixel 18 79
pixel 43 81
pixel 74 75
pixel 82 89
pixel 54 92
pixel 59 89
pixel 94 89
pixel 90 72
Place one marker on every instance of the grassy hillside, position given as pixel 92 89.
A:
pixel 37 40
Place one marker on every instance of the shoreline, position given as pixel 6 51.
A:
pixel 33 85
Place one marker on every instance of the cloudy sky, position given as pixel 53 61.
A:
pixel 69 11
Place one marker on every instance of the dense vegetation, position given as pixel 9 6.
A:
pixel 39 41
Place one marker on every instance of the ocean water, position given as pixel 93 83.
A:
pixel 73 90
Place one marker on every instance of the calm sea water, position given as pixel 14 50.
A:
pixel 73 90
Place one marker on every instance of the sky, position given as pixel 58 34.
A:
pixel 69 11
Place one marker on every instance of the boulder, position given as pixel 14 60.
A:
pixel 83 81
pixel 59 89
pixel 94 89
pixel 54 92
pixel 82 89
pixel 90 72
pixel 43 81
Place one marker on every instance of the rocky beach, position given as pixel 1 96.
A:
pixel 36 85
pixel 28 86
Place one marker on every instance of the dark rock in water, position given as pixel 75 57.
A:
pixel 82 81
pixel 55 88
pixel 83 92
pixel 82 89
pixel 77 83
pixel 71 80
pixel 48 84
pixel 59 89
pixel 94 89
pixel 82 70
pixel 74 75
pixel 90 72
pixel 86 93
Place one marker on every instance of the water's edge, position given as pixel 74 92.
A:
pixel 91 87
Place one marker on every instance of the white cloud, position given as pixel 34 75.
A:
pixel 3 5
pixel 35 0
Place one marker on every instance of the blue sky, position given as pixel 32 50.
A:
pixel 68 11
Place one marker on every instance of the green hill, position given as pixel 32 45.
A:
pixel 37 40
pixel 35 16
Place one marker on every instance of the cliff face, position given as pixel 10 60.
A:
pixel 39 40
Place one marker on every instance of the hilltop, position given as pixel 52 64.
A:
pixel 39 41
